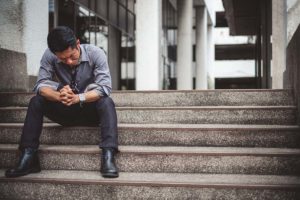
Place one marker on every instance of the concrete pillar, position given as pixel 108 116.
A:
pixel 24 28
pixel 148 44
pixel 114 56
pixel 293 19
pixel 279 42
pixel 201 47
pixel 184 45
pixel 210 56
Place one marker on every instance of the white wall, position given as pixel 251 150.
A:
pixel 148 44
pixel 236 68
pixel 231 68
pixel 24 28
pixel 211 6
pixel 35 32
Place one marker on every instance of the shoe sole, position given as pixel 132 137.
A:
pixel 110 175
pixel 22 174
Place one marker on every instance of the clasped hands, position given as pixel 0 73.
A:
pixel 67 96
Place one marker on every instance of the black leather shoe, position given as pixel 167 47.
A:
pixel 108 165
pixel 29 163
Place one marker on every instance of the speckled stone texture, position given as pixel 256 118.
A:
pixel 166 135
pixel 90 185
pixel 46 191
pixel 180 98
pixel 221 144
pixel 13 63
pixel 187 115
pixel 168 159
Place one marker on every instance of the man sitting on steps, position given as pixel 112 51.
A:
pixel 73 89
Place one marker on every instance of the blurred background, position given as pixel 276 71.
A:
pixel 159 44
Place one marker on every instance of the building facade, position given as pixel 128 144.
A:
pixel 150 44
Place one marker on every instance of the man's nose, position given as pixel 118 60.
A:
pixel 69 61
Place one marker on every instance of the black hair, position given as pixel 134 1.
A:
pixel 61 38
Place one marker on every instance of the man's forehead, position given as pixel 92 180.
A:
pixel 66 52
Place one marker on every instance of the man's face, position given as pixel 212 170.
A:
pixel 70 56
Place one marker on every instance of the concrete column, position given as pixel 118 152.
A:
pixel 24 29
pixel 210 56
pixel 148 44
pixel 184 45
pixel 279 42
pixel 114 56
pixel 201 48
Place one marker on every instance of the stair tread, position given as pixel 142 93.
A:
pixel 225 151
pixel 177 107
pixel 160 179
pixel 175 91
pixel 175 126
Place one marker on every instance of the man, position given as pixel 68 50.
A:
pixel 73 89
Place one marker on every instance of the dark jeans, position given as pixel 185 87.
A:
pixel 99 113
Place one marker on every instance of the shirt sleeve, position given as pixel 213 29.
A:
pixel 102 78
pixel 46 73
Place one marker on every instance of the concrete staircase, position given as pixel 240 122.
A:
pixel 218 144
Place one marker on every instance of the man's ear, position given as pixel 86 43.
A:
pixel 77 43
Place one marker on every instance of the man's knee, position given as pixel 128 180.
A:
pixel 105 102
pixel 37 100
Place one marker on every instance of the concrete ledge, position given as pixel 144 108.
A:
pixel 280 115
pixel 166 135
pixel 13 66
pixel 219 160
pixel 69 185
pixel 180 98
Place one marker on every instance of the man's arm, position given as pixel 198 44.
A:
pixel 102 80
pixel 45 76
pixel 91 96
pixel 67 97
pixel 50 94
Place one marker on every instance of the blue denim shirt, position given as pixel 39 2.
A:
pixel 92 72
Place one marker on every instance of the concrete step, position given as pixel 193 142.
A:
pixel 180 98
pixel 166 135
pixel 69 185
pixel 280 115
pixel 219 160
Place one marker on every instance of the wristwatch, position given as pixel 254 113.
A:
pixel 81 99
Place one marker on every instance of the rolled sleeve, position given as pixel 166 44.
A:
pixel 46 73
pixel 102 78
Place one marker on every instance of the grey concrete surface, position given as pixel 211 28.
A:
pixel 90 185
pixel 15 77
pixel 285 115
pixel 166 135
pixel 214 159
pixel 168 159
pixel 180 98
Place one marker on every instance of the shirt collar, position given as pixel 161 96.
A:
pixel 84 56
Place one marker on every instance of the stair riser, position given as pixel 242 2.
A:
pixel 179 98
pixel 162 137
pixel 284 116
pixel 49 191
pixel 167 163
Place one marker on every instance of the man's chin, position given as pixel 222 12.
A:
pixel 73 65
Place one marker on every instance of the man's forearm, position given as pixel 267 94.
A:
pixel 91 96
pixel 50 94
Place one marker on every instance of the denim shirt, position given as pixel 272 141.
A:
pixel 92 72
